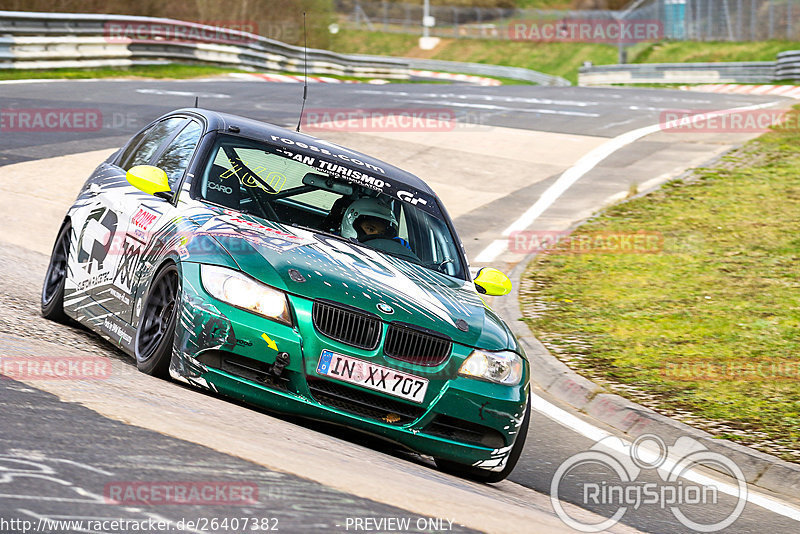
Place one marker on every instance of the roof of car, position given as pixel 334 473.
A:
pixel 262 130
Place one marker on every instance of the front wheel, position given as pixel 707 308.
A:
pixel 56 277
pixel 483 475
pixel 156 331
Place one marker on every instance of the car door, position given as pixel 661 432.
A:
pixel 151 214
pixel 135 215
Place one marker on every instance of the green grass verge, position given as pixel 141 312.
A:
pixel 375 43
pixel 559 59
pixel 708 330
pixel 688 52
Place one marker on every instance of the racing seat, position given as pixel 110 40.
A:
pixel 333 220
pixel 223 191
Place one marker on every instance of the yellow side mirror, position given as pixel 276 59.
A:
pixel 492 282
pixel 149 179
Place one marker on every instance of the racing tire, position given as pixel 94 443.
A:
pixel 56 277
pixel 484 475
pixel 156 331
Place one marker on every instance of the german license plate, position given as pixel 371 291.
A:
pixel 371 376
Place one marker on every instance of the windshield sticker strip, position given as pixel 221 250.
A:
pixel 326 152
pixel 384 185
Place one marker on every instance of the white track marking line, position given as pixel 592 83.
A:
pixel 505 108
pixel 82 465
pixel 581 167
pixel 490 253
pixel 483 97
pixel 595 434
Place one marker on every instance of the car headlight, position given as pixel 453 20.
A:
pixel 238 289
pixel 499 367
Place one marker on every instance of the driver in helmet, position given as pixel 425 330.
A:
pixel 370 219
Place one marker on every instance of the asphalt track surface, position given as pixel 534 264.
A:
pixel 84 450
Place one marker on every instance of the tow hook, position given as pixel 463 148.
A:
pixel 280 364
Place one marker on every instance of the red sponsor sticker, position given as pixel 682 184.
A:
pixel 159 493
pixel 143 219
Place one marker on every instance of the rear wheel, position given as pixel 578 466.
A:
pixel 483 475
pixel 56 277
pixel 156 331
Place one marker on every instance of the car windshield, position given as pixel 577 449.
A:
pixel 323 195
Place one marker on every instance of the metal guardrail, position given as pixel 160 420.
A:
pixel 514 73
pixel 734 72
pixel 51 40
pixel 47 40
pixel 787 67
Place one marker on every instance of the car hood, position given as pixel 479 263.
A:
pixel 317 266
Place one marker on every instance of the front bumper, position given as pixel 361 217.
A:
pixel 231 351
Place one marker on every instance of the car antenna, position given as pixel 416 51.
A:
pixel 305 72
pixel 196 99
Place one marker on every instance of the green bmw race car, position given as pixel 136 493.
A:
pixel 295 275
